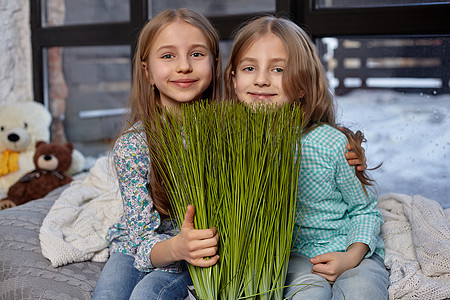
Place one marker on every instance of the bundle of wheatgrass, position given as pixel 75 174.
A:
pixel 239 167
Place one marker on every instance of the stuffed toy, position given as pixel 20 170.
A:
pixel 52 161
pixel 22 124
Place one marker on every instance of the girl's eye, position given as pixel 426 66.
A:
pixel 197 54
pixel 278 70
pixel 167 56
pixel 249 69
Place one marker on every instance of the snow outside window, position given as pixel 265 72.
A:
pixel 397 92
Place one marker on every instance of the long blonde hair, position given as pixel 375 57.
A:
pixel 304 78
pixel 144 102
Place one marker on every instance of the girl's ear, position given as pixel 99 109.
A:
pixel 233 77
pixel 144 66
pixel 302 94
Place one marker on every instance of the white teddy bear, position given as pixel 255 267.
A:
pixel 22 124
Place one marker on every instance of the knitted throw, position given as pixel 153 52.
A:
pixel 74 229
pixel 9 162
pixel 416 234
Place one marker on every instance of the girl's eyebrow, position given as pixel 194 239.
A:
pixel 253 60
pixel 247 59
pixel 199 46
pixel 170 47
pixel 279 59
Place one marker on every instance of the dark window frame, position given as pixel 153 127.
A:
pixel 104 34
pixel 405 20
pixel 398 21
pixel 394 20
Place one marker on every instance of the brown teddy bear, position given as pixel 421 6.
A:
pixel 51 161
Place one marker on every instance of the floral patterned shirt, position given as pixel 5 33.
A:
pixel 337 211
pixel 140 227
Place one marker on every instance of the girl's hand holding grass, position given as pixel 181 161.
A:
pixel 196 246
pixel 192 245
pixel 331 265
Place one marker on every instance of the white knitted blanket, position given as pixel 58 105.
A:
pixel 74 230
pixel 416 234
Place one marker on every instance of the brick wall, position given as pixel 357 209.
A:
pixel 15 52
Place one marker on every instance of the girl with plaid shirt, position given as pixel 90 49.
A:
pixel 337 251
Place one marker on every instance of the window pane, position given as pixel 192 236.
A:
pixel 370 3
pixel 214 7
pixel 75 12
pixel 406 64
pixel 397 92
pixel 88 88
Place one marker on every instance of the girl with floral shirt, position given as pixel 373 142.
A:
pixel 177 61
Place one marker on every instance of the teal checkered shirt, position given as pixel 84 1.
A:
pixel 337 212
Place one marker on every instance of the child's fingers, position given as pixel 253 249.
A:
pixel 326 270
pixel 361 167
pixel 322 269
pixel 350 155
pixel 328 277
pixel 200 244
pixel 206 252
pixel 354 162
pixel 203 234
pixel 204 263
pixel 199 240
pixel 321 259
pixel 189 217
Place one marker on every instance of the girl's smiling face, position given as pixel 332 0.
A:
pixel 179 64
pixel 258 78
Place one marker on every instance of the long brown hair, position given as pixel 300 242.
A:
pixel 304 78
pixel 144 102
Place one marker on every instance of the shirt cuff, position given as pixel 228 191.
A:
pixel 371 242
pixel 142 260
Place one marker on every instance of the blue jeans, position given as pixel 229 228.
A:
pixel 121 280
pixel 369 280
